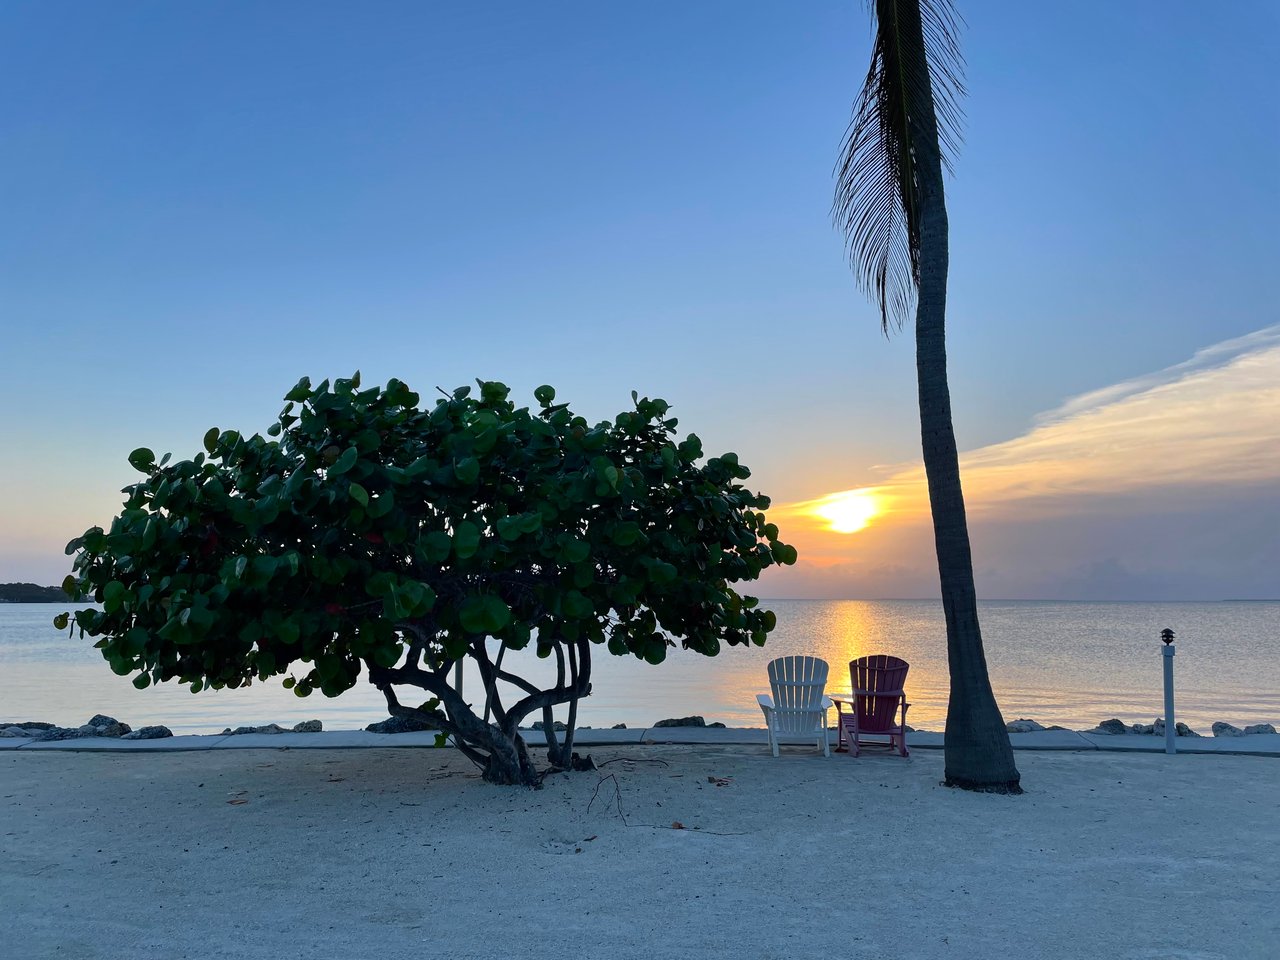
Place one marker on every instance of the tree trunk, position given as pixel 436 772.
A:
pixel 978 753
pixel 501 754
pixel 510 765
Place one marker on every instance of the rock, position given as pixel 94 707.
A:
pixel 1056 727
pixel 1221 729
pixel 265 728
pixel 717 725
pixel 619 726
pixel 556 726
pixel 682 722
pixel 399 725
pixel 1023 726
pixel 1112 726
pixel 908 729
pixel 1143 728
pixel 16 732
pixel 585 728
pixel 106 727
pixel 149 733
pixel 1182 730
pixel 65 733
pixel 1259 728
pixel 308 726
pixel 27 724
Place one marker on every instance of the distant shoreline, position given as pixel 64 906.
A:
pixel 31 593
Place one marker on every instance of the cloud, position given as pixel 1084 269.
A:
pixel 1196 439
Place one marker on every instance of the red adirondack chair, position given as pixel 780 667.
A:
pixel 878 694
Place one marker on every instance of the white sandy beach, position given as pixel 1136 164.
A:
pixel 406 853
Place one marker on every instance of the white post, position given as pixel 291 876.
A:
pixel 1170 730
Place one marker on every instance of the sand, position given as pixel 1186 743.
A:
pixel 406 853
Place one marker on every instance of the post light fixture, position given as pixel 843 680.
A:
pixel 1170 728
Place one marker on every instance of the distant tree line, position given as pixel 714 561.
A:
pixel 30 593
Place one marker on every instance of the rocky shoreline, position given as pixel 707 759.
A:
pixel 103 726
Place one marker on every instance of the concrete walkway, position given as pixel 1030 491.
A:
pixel 1261 745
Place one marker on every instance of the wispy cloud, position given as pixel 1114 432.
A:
pixel 1195 434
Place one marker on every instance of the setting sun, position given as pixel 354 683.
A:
pixel 848 511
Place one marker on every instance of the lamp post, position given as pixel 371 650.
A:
pixel 1170 730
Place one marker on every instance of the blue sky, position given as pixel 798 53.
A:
pixel 202 203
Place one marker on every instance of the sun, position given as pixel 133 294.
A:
pixel 849 511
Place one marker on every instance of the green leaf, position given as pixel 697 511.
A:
pixel 545 395
pixel 346 460
pixel 113 595
pixel 575 551
pixel 383 505
pixel 416 598
pixel 211 439
pixel 466 539
pixel 358 493
pixel 467 470
pixel 662 572
pixel 434 547
pixel 576 605
pixel 142 681
pixel 61 621
pixel 300 392
pixel 388 656
pixel 783 553
pixel 70 586
pixel 626 533
pixel 142 459
pixel 491 391
pixel 135 640
pixel 484 613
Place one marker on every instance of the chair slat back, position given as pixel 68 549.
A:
pixel 797 684
pixel 877 711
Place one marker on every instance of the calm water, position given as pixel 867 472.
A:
pixel 1067 663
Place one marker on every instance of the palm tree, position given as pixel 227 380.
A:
pixel 889 202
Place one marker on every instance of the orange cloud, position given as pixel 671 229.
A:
pixel 1209 424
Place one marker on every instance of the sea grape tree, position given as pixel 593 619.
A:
pixel 369 534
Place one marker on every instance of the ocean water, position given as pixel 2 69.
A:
pixel 1066 663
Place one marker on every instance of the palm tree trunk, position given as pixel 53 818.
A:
pixel 978 753
pixel 977 749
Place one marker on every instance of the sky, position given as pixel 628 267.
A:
pixel 203 203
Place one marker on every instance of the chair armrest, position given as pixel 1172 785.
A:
pixel 827 703
pixel 880 693
pixel 765 701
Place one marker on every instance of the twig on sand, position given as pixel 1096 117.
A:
pixel 633 760
pixel 617 797
pixel 617 801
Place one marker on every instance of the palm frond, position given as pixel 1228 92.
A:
pixel 909 106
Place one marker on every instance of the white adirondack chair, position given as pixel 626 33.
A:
pixel 797 710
